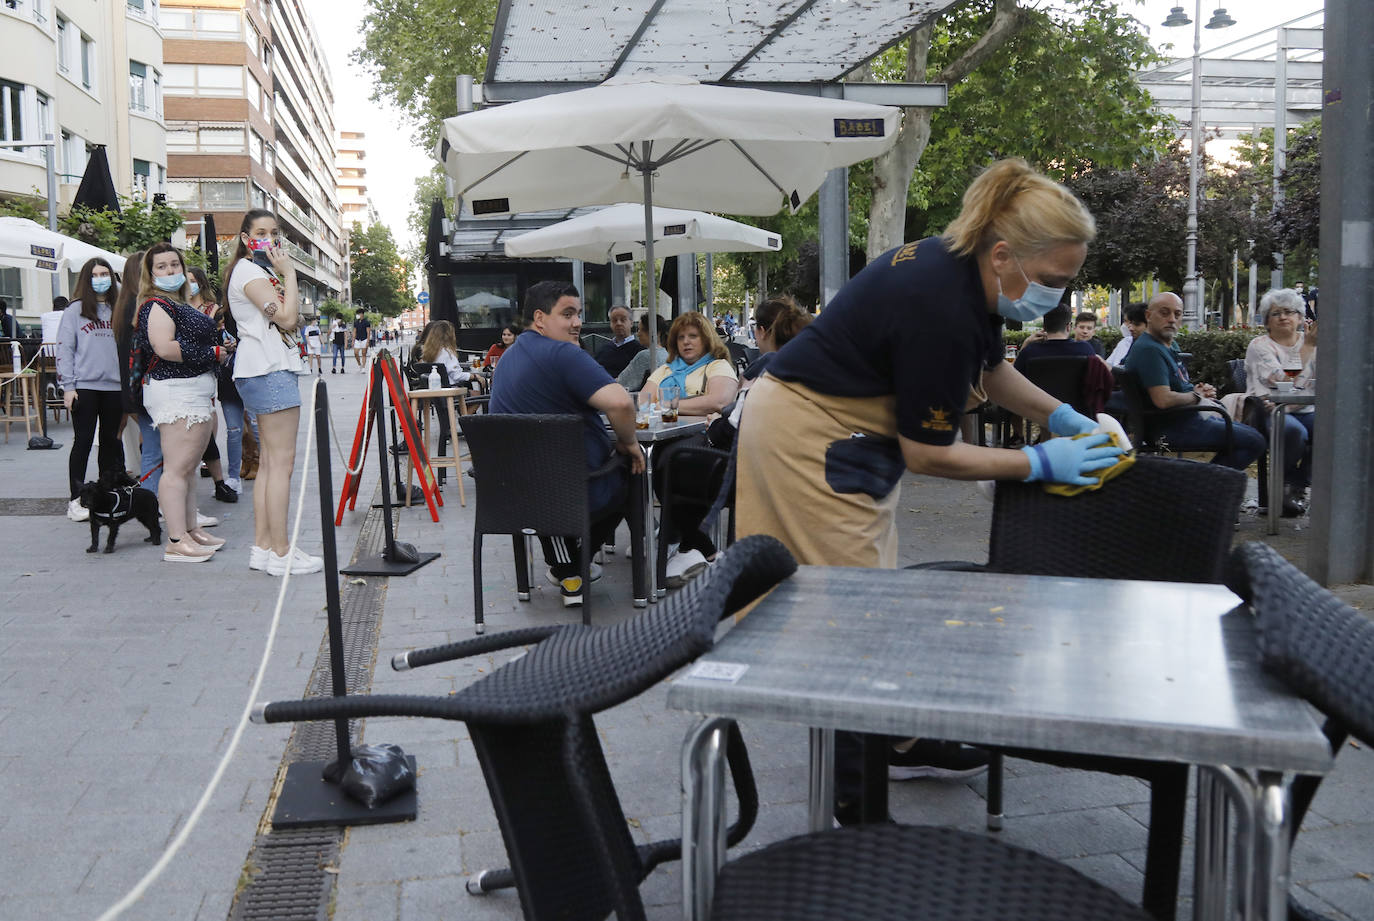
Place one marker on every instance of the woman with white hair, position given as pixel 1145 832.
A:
pixel 1285 352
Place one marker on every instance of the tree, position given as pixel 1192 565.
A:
pixel 415 50
pixel 427 188
pixel 1054 86
pixel 380 276
pixel 1297 222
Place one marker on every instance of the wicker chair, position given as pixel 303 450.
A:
pixel 531 723
pixel 1253 408
pixel 1163 520
pixel 1140 412
pixel 1320 647
pixel 532 479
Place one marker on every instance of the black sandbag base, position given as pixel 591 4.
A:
pixel 307 799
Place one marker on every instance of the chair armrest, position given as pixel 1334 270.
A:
pixel 356 706
pixel 476 646
pixel 951 566
pixel 614 462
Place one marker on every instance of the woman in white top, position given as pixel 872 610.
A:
pixel 441 347
pixel 1285 352
pixel 260 286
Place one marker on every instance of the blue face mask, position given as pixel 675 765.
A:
pixel 195 289
pixel 170 282
pixel 100 285
pixel 1035 303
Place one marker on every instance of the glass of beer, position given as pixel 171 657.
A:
pixel 669 395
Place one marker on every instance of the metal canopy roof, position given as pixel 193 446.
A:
pixel 754 41
pixel 1239 80
pixel 475 237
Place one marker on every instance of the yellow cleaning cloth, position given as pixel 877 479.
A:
pixel 1127 459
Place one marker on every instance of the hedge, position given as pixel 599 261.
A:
pixel 1211 349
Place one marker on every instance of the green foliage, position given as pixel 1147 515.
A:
pixel 415 49
pixel 331 307
pixel 380 276
pixel 138 225
pixel 24 208
pixel 1211 350
pixel 427 188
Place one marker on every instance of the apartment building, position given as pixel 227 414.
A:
pixel 250 125
pixel 350 158
pixel 85 73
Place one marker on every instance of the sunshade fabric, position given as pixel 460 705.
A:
pixel 25 244
pixel 616 235
pixel 714 148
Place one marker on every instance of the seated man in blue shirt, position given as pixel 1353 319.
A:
pixel 1055 342
pixel 1154 360
pixel 546 371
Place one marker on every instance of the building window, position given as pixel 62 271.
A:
pixel 87 62
pixel 144 9
pixel 11 112
pixel 183 193
pixel 174 21
pixel 255 146
pixel 259 196
pixel 254 92
pixel 212 194
pixel 220 24
pixel 64 47
pixel 138 86
pixel 203 80
pixel 44 107
pixel 142 173
pixel 157 92
pixel 75 153
pixel 12 286
pixel 221 140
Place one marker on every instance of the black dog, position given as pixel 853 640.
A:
pixel 114 499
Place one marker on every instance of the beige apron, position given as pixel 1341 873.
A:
pixel 803 477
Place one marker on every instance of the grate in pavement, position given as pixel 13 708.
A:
pixel 32 508
pixel 288 874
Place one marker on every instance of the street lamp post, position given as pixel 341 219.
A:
pixel 1192 313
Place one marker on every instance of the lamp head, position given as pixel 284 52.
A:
pixel 1177 18
pixel 1220 20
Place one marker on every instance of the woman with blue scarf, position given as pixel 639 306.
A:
pixel 699 367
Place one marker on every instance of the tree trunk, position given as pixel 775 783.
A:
pixel 893 170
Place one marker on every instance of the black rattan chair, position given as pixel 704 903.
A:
pixel 531 723
pixel 1320 647
pixel 1251 412
pixel 1141 413
pixel 1061 376
pixel 1164 520
pixel 532 479
pixel 678 489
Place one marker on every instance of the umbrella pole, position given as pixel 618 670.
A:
pixel 652 286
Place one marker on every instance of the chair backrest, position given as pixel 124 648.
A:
pixel 531 724
pixel 531 473
pixel 1319 646
pixel 1137 405
pixel 1061 376
pixel 1239 381
pixel 1163 520
pixel 417 374
pixel 739 356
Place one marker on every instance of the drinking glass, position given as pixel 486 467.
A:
pixel 669 396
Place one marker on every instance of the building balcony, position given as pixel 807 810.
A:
pixel 301 256
pixel 296 215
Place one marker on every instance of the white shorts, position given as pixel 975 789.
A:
pixel 312 346
pixel 191 399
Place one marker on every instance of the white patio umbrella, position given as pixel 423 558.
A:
pixel 484 299
pixel 616 234
pixel 25 244
pixel 670 139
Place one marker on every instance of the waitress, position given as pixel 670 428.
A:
pixel 877 384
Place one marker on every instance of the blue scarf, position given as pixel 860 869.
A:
pixel 679 369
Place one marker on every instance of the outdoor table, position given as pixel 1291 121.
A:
pixel 649 439
pixel 1163 671
pixel 1281 403
pixel 454 459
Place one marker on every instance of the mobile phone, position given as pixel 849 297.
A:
pixel 260 258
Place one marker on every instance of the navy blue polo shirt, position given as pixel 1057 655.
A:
pixel 1156 364
pixel 914 324
pixel 542 375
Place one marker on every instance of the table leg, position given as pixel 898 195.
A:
pixel 703 814
pixel 650 534
pixel 1270 847
pixel 821 780
pixel 1275 484
pixel 639 563
pixel 1210 857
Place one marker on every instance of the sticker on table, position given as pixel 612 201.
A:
pixel 718 671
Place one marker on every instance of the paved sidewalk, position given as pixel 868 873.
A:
pixel 123 678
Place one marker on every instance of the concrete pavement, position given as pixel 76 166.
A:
pixel 123 679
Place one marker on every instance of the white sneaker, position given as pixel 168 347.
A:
pixel 595 574
pixel 77 512
pixel 682 566
pixel 301 563
pixel 206 521
pixel 234 483
pixel 257 558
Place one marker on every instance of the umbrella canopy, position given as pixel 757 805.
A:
pixel 27 245
pixel 484 299
pixel 441 303
pixel 209 244
pixel 616 234
pixel 649 137
pixel 97 189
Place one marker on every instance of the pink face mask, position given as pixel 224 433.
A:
pixel 256 244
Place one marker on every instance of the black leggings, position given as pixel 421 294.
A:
pixel 696 483
pixel 91 407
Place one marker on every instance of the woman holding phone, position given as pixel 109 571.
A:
pixel 261 289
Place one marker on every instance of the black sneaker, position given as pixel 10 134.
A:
pixel 224 493
pixel 936 760
pixel 847 814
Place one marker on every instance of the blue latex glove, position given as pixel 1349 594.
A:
pixel 1065 420
pixel 1069 460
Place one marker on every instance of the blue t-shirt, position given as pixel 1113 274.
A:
pixel 914 324
pixel 1156 364
pixel 542 375
pixel 1053 348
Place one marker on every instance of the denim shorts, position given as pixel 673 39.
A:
pixel 269 393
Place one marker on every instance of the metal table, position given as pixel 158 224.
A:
pixel 649 439
pixel 1136 669
pixel 1281 403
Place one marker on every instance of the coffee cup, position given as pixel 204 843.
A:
pixel 1283 386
